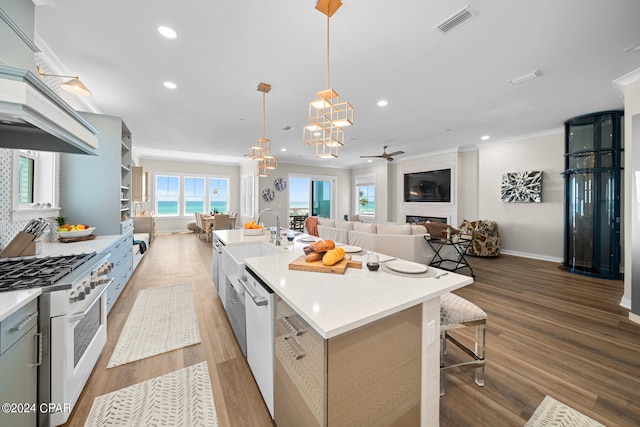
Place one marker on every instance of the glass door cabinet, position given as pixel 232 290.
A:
pixel 592 187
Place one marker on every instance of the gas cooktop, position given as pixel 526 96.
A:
pixel 24 273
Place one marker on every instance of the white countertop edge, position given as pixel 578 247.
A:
pixel 445 284
pixel 12 301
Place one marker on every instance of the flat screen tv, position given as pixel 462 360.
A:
pixel 428 186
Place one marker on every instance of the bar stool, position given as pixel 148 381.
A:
pixel 456 313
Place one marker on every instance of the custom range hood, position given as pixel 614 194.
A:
pixel 33 117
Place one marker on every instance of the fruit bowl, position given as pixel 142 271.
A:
pixel 253 231
pixel 75 233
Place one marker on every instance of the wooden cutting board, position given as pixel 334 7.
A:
pixel 76 239
pixel 338 268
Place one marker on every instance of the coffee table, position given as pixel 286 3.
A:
pixel 461 246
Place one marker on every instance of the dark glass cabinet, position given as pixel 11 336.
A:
pixel 592 187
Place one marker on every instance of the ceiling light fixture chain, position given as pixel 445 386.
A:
pixel 327 114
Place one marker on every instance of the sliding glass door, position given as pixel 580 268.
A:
pixel 311 196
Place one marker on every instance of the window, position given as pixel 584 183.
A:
pixel 366 195
pixel 167 195
pixel 186 195
pixel 218 195
pixel 35 184
pixel 193 195
pixel 25 180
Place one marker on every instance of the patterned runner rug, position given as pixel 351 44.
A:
pixel 179 398
pixel 554 413
pixel 161 320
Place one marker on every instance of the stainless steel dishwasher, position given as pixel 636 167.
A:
pixel 259 302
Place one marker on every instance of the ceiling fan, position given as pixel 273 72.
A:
pixel 385 155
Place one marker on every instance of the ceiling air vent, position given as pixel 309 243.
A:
pixel 455 20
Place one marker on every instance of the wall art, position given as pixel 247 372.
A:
pixel 268 194
pixel 522 187
pixel 280 184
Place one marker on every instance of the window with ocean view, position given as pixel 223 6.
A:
pixel 218 195
pixel 193 195
pixel 167 195
pixel 186 195
pixel 366 191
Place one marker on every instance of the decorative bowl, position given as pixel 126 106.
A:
pixel 253 231
pixel 75 233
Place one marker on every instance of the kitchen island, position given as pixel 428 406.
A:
pixel 338 306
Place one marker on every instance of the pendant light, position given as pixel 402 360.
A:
pixel 74 85
pixel 327 114
pixel 261 150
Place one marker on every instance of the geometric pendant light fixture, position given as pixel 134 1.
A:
pixel 327 113
pixel 261 150
pixel 74 85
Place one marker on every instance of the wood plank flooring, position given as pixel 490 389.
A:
pixel 548 332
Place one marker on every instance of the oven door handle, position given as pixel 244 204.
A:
pixel 79 316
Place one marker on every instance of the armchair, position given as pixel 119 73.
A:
pixel 485 238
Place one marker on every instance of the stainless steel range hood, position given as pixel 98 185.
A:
pixel 34 117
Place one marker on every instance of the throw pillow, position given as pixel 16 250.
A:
pixel 418 229
pixel 364 227
pixel 326 222
pixel 344 225
pixel 394 229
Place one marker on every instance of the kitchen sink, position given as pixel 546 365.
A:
pixel 233 256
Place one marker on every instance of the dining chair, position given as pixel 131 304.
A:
pixel 198 230
pixel 221 222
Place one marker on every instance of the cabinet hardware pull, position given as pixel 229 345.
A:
pixel 291 342
pixel 39 337
pixel 24 323
pixel 289 325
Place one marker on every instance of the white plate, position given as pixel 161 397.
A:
pixel 406 266
pixel 307 239
pixel 76 233
pixel 351 249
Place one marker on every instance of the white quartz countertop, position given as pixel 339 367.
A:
pixel 99 244
pixel 237 237
pixel 335 303
pixel 10 302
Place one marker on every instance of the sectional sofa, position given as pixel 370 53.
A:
pixel 401 241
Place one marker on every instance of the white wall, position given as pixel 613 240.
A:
pixel 631 108
pixel 527 229
pixel 177 224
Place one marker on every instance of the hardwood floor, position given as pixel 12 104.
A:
pixel 548 332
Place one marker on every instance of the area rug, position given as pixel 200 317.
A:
pixel 554 413
pixel 161 320
pixel 179 398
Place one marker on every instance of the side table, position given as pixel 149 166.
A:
pixel 461 246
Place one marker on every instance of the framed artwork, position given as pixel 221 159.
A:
pixel 280 184
pixel 522 187
pixel 268 194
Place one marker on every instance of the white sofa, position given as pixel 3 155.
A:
pixel 400 241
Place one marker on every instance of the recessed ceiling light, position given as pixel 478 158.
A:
pixel 382 103
pixel 169 85
pixel 283 149
pixel 167 32
pixel 369 161
pixel 485 137
pixel 523 78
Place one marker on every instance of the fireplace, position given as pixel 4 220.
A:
pixel 412 219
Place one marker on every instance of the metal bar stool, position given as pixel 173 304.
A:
pixel 455 313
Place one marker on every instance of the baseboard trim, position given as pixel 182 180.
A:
pixel 626 303
pixel 532 256
pixel 634 317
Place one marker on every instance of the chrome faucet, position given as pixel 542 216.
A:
pixel 277 238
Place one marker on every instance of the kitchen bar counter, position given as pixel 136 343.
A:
pixel 335 304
